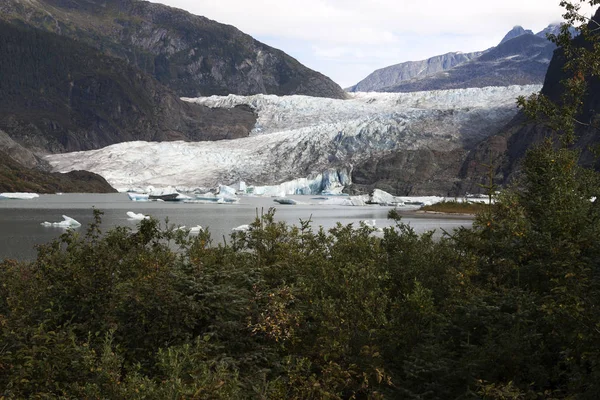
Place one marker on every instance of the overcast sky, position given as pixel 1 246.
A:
pixel 348 39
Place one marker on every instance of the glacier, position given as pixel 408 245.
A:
pixel 305 145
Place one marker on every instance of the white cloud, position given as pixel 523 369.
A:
pixel 323 34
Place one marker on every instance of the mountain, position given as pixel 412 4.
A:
pixel 58 94
pixel 80 75
pixel 190 54
pixel 516 32
pixel 521 58
pixel 395 74
pixel 298 138
pixel 507 148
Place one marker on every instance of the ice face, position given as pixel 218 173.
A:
pixel 299 136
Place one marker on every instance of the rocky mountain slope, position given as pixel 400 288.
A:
pixel 301 137
pixel 506 149
pixel 395 74
pixel 59 95
pixel 521 58
pixel 191 54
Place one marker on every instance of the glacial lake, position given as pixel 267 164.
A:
pixel 21 229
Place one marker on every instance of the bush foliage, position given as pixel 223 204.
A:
pixel 507 309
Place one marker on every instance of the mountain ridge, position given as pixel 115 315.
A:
pixel 477 69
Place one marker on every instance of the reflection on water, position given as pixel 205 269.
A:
pixel 21 229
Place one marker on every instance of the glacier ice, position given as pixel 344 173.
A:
pixel 298 136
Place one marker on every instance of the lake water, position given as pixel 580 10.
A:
pixel 21 229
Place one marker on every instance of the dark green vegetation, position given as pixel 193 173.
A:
pixel 508 309
pixel 456 207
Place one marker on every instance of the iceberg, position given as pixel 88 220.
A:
pixel 67 222
pixel 384 198
pixel 241 228
pixel 194 229
pixel 346 201
pixel 138 196
pixel 19 196
pixel 136 216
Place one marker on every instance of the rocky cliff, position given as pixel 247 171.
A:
pixel 191 54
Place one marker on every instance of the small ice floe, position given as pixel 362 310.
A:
pixel 241 228
pixel 193 229
pixel 371 223
pixel 67 222
pixel 285 201
pixel 136 216
pixel 19 196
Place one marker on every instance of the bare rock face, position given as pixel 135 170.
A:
pixel 393 75
pixel 190 54
pixel 522 60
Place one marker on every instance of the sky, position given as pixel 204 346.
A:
pixel 348 39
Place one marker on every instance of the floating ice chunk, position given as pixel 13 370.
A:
pixel 196 229
pixel 286 201
pixel 67 222
pixel 241 228
pixel 19 196
pixel 137 217
pixel 226 191
pixel 138 196
pixel 371 223
pixel 384 198
pixel 346 201
pixel 193 229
